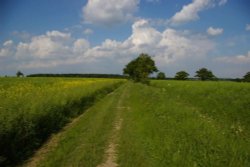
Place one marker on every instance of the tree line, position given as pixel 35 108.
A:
pixel 143 66
pixel 79 75
pixel 140 69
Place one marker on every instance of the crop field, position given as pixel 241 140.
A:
pixel 168 123
pixel 33 108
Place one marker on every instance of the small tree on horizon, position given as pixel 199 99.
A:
pixel 19 74
pixel 246 77
pixel 204 74
pixel 161 75
pixel 140 68
pixel 181 75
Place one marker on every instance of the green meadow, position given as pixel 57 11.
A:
pixel 166 123
pixel 31 109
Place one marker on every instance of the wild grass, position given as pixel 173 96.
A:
pixel 179 123
pixel 170 123
pixel 33 108
pixel 84 143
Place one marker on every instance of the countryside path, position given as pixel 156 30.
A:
pixel 110 152
pixel 89 140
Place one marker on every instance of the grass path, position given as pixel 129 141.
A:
pixel 84 142
pixel 146 126
pixel 111 153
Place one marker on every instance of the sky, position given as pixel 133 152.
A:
pixel 102 36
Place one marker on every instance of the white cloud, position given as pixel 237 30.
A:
pixel 52 44
pixel 143 34
pixel 109 12
pixel 57 35
pixel 167 46
pixel 222 2
pixel 7 49
pixel 80 46
pixel 8 43
pixel 248 27
pixel 238 59
pixel 153 0
pixel 190 11
pixel 57 48
pixel 214 31
pixel 88 31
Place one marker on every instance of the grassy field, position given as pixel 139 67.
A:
pixel 83 142
pixel 169 123
pixel 33 108
pixel 186 124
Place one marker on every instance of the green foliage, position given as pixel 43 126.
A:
pixel 19 74
pixel 181 75
pixel 140 68
pixel 204 74
pixel 161 75
pixel 33 108
pixel 247 77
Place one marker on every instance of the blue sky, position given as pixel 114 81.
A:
pixel 102 36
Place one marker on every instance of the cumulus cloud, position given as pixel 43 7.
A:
pixel 248 27
pixel 109 12
pixel 167 46
pixel 88 31
pixel 190 12
pixel 7 49
pixel 57 48
pixel 144 34
pixel 214 31
pixel 52 44
pixel 80 46
pixel 238 59
pixel 8 43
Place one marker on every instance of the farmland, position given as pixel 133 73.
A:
pixel 169 123
pixel 33 108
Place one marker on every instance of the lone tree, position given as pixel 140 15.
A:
pixel 246 77
pixel 181 75
pixel 161 75
pixel 19 74
pixel 204 74
pixel 140 68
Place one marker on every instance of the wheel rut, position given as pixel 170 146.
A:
pixel 110 152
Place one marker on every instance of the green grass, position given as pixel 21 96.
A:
pixel 169 123
pixel 84 143
pixel 33 108
pixel 186 124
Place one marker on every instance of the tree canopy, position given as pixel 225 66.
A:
pixel 19 74
pixel 181 75
pixel 161 75
pixel 247 77
pixel 140 68
pixel 205 74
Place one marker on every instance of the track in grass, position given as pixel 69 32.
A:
pixel 31 109
pixel 85 141
pixel 167 124
pixel 111 153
